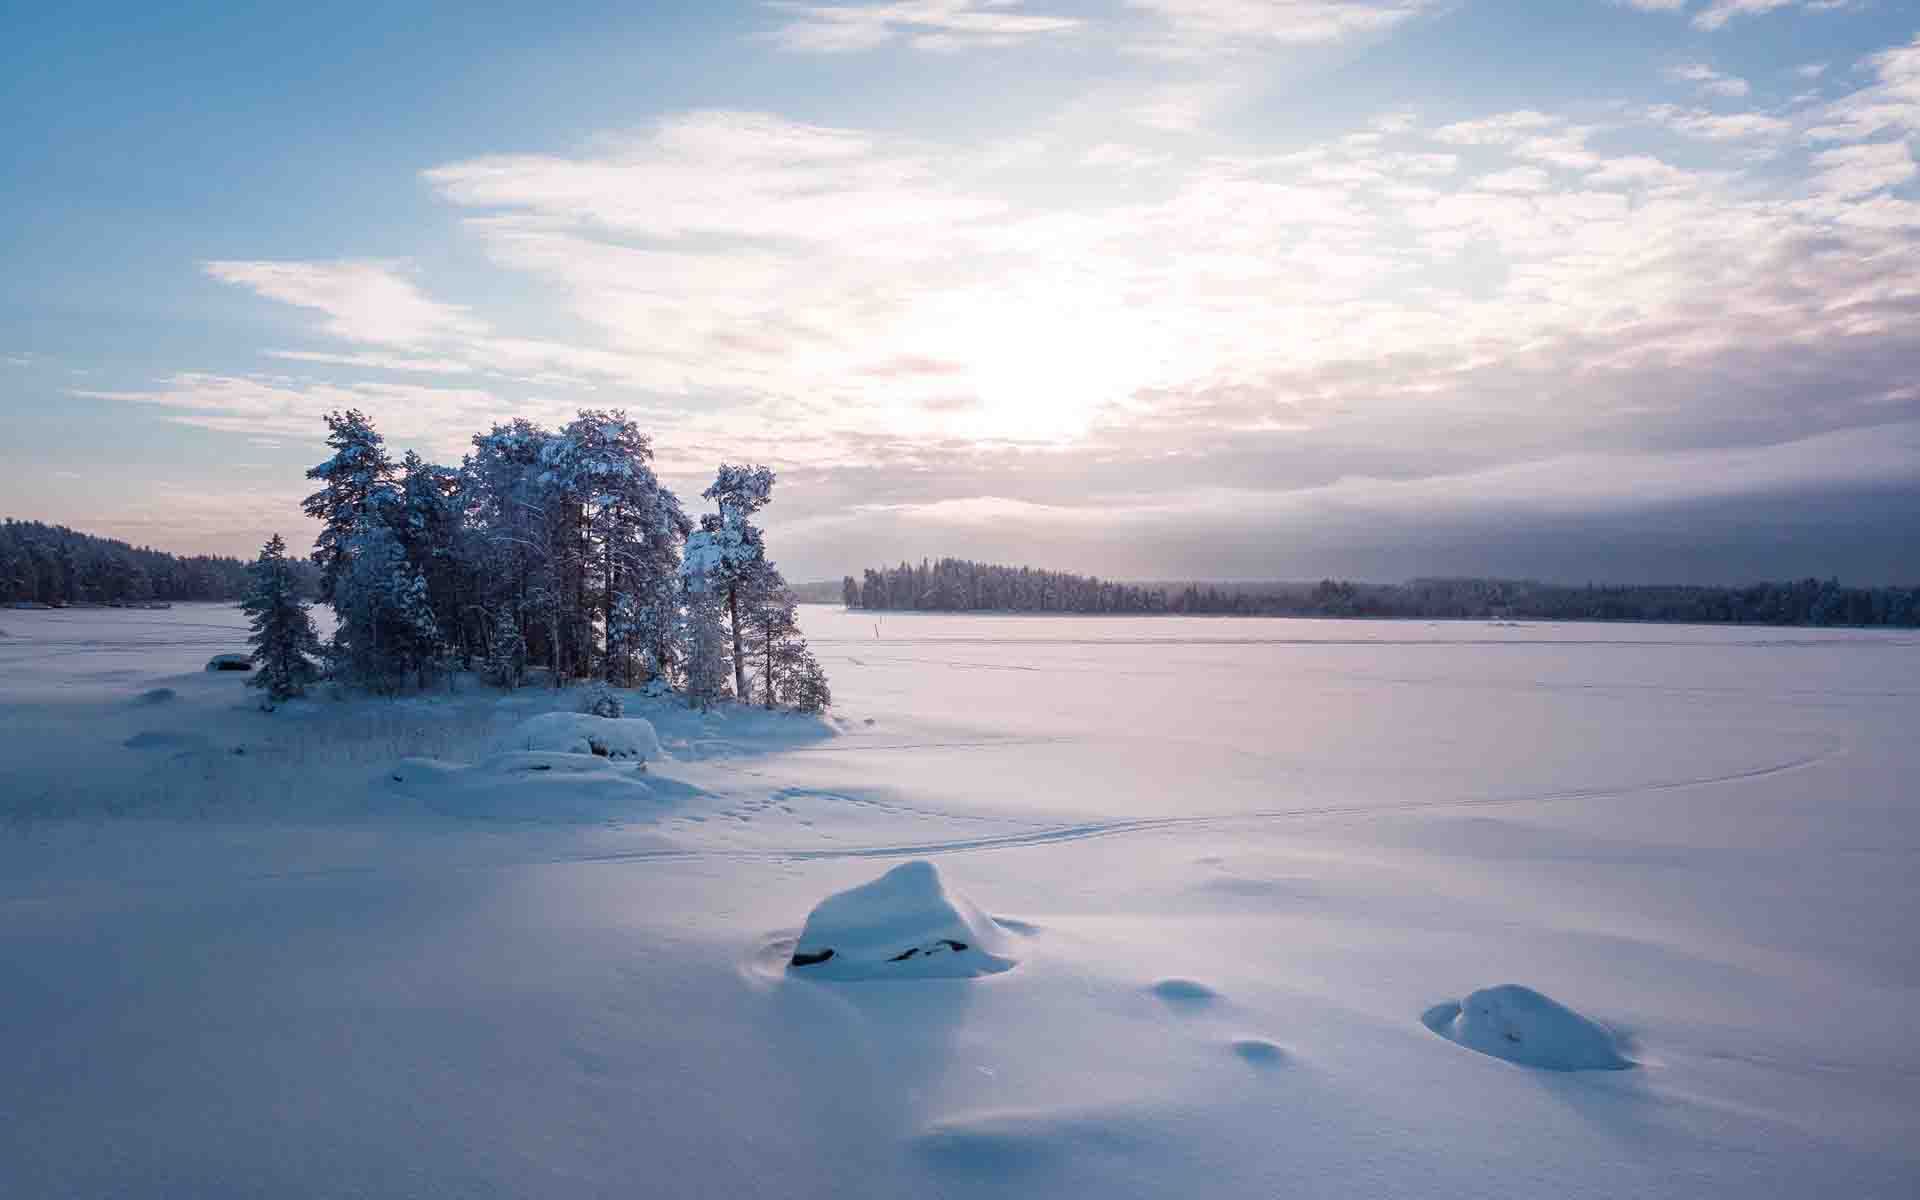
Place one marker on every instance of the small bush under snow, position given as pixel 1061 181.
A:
pixel 583 733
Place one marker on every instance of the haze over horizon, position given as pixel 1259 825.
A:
pixel 1620 290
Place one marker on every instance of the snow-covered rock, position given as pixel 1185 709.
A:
pixel 230 662
pixel 1521 1025
pixel 904 925
pixel 583 733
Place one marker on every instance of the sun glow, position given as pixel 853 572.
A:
pixel 1037 366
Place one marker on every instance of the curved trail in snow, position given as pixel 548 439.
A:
pixel 1101 829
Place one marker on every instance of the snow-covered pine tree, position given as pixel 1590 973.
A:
pixel 283 641
pixel 770 619
pixel 631 526
pixel 430 524
pixel 386 629
pixel 356 491
pixel 506 661
pixel 803 681
pixel 733 553
pixel 785 670
pixel 702 631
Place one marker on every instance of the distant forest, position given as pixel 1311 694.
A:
pixel 958 585
pixel 51 564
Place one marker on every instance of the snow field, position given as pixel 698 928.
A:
pixel 488 979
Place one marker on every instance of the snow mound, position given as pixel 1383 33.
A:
pixel 161 695
pixel 583 733
pixel 904 925
pixel 1522 1026
pixel 531 786
pixel 230 662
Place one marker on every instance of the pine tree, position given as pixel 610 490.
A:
pixel 785 670
pixel 702 635
pixel 804 684
pixel 283 640
pixel 386 628
pixel 356 491
pixel 506 661
pixel 734 553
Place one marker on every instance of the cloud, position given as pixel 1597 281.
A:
pixel 1710 81
pixel 1717 14
pixel 1189 28
pixel 378 362
pixel 921 24
pixel 1184 107
pixel 1513 313
pixel 1717 127
pixel 1891 104
pixel 364 301
pixel 1858 170
pixel 432 418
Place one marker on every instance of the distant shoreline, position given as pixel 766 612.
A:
pixel 1496 622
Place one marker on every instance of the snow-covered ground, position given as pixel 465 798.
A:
pixel 1250 878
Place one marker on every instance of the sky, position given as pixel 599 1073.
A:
pixel 1614 290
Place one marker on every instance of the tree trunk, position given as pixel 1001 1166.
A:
pixel 739 659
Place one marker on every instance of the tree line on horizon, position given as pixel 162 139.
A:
pixel 962 585
pixel 55 565
pixel 545 548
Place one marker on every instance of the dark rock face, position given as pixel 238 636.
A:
pixel 910 951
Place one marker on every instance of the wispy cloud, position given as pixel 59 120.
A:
pixel 1709 81
pixel 364 301
pixel 1717 127
pixel 1718 13
pixel 1196 27
pixel 921 24
pixel 430 417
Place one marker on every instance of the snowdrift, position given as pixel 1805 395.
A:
pixel 533 786
pixel 1522 1026
pixel 904 925
pixel 583 733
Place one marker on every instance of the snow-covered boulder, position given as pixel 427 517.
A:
pixel 1521 1025
pixel 230 662
pixel 904 925
pixel 583 733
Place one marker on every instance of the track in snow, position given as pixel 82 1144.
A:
pixel 1101 829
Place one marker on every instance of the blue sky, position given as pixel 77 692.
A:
pixel 1616 289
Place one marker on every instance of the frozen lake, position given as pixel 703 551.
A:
pixel 1237 861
